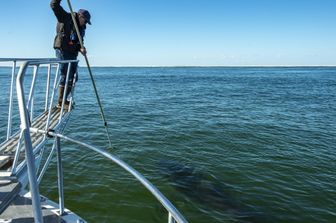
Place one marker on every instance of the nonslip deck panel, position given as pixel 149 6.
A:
pixel 4 160
pixel 8 191
pixel 10 146
pixel 21 211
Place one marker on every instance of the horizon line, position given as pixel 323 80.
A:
pixel 200 66
pixel 194 66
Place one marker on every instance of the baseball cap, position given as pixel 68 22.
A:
pixel 86 15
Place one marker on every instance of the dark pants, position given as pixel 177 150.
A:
pixel 63 55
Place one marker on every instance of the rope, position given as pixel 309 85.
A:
pixel 90 72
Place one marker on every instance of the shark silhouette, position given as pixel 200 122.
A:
pixel 207 191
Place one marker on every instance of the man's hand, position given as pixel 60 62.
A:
pixel 83 51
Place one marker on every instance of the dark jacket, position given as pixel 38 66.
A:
pixel 66 38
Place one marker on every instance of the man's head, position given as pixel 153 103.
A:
pixel 84 17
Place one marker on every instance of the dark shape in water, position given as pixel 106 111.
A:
pixel 211 193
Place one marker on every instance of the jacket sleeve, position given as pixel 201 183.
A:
pixel 59 12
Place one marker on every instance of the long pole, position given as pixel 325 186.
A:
pixel 90 72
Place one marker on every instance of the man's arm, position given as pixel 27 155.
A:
pixel 59 12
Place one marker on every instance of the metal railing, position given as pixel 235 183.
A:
pixel 29 104
pixel 35 63
pixel 173 214
pixel 26 110
pixel 27 117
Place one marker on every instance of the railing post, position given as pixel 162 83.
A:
pixel 73 89
pixel 31 94
pixel 47 162
pixel 64 99
pixel 55 87
pixel 17 153
pixel 60 176
pixel 34 190
pixel 10 109
pixel 171 219
pixel 48 86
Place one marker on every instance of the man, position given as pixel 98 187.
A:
pixel 67 43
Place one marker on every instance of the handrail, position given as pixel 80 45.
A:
pixel 10 107
pixel 173 214
pixel 26 59
pixel 36 61
pixel 25 125
pixel 28 146
pixel 176 215
pixel 16 63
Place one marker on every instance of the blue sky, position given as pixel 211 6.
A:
pixel 182 32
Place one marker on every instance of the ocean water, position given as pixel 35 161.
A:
pixel 223 144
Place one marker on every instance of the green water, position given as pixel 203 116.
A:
pixel 223 144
